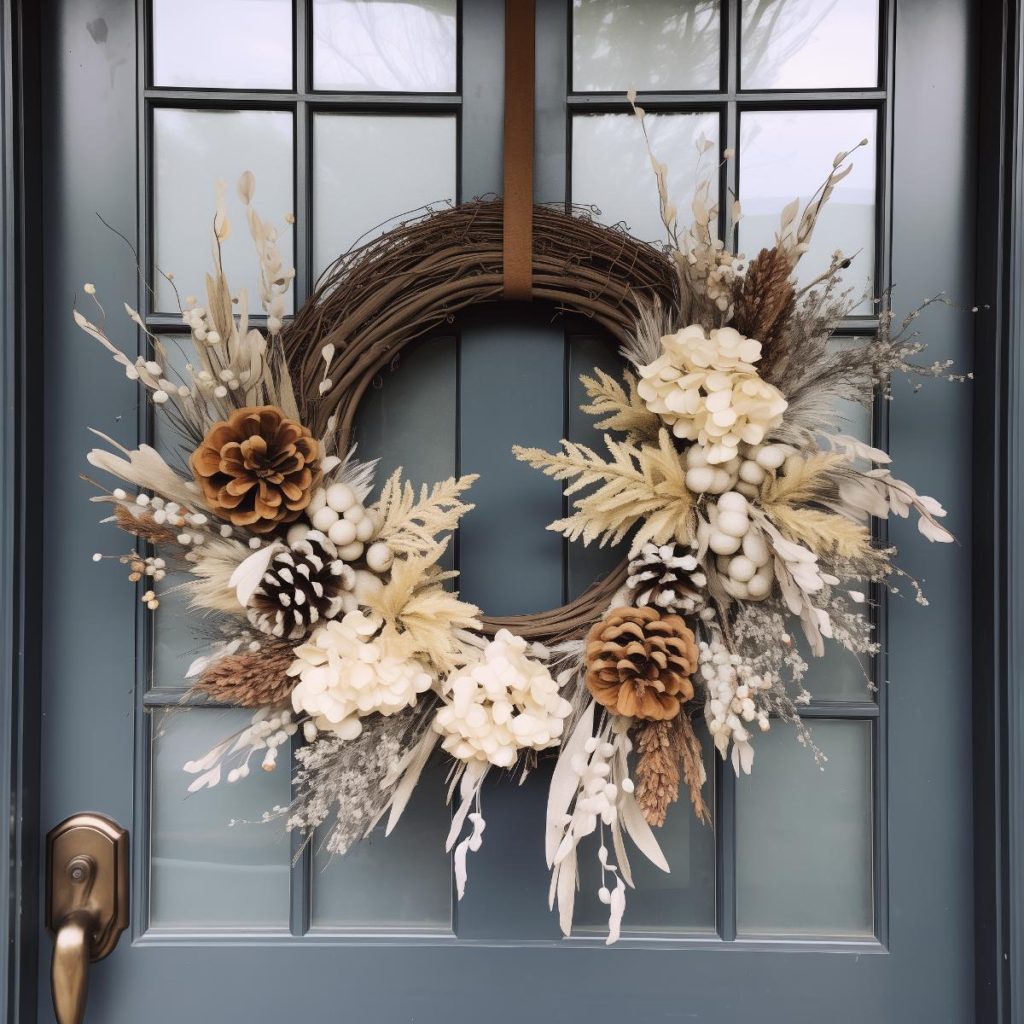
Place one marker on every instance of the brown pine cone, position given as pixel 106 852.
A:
pixel 639 663
pixel 258 468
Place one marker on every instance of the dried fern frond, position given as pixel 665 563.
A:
pixel 623 412
pixel 416 608
pixel 641 483
pixel 825 533
pixel 411 525
pixel 808 480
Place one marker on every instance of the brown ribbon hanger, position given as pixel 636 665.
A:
pixel 517 227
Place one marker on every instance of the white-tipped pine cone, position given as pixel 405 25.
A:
pixel 667 577
pixel 303 586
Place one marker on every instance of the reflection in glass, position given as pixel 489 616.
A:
pixel 213 862
pixel 656 45
pixel 192 150
pixel 363 174
pixel 403 881
pixel 788 153
pixel 612 172
pixel 222 44
pixel 809 44
pixel 384 46
pixel 804 858
pixel 682 901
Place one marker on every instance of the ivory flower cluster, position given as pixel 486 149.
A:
pixel 504 703
pixel 706 388
pixel 346 672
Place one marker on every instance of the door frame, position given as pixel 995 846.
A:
pixel 998 606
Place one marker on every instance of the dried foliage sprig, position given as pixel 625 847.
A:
pixel 641 483
pixel 411 524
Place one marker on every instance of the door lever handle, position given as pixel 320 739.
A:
pixel 86 904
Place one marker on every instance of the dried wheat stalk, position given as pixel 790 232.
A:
pixel 250 679
pixel 144 527
pixel 667 752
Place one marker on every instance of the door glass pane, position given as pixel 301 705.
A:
pixel 788 153
pixel 384 45
pixel 840 675
pixel 213 862
pixel 402 881
pixel 222 44
pixel 192 149
pixel 612 171
pixel 682 901
pixel 657 45
pixel 804 835
pixel 809 44
pixel 368 168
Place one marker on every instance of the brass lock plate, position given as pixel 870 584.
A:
pixel 88 870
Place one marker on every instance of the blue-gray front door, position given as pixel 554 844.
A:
pixel 842 895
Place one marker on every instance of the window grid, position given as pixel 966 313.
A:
pixel 303 103
pixel 730 102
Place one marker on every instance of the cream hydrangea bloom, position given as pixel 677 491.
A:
pixel 346 672
pixel 501 704
pixel 707 389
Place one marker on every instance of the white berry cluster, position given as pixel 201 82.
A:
pixel 336 511
pixel 744 558
pixel 272 732
pixel 744 472
pixel 705 386
pixel 166 513
pixel 733 687
pixel 501 704
pixel 346 672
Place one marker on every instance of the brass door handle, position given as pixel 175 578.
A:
pixel 86 904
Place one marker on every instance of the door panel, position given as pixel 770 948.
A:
pixel 842 894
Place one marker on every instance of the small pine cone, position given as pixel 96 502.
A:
pixel 639 663
pixel 764 301
pixel 666 577
pixel 251 679
pixel 258 468
pixel 303 585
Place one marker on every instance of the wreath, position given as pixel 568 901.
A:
pixel 746 509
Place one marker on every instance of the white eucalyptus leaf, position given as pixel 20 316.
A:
pixel 246 577
pixel 206 781
pixel 472 842
pixel 617 908
pixel 635 824
pixel 567 872
pixel 565 782
pixel 417 760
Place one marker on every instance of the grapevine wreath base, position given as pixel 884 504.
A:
pixel 746 509
pixel 375 300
